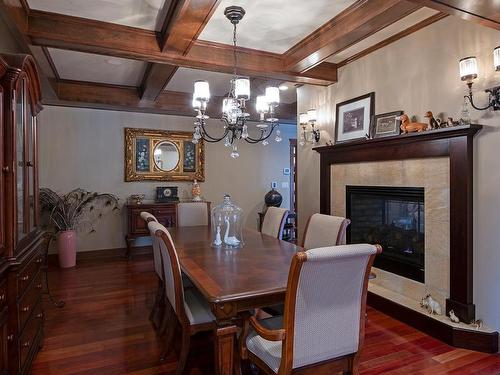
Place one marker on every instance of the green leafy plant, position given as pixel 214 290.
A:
pixel 78 209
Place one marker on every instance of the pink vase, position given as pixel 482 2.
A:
pixel 66 248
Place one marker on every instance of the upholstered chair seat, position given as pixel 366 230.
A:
pixel 190 214
pixel 274 221
pixel 324 315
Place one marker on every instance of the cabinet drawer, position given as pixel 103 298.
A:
pixel 3 294
pixel 25 276
pixel 27 340
pixel 29 300
pixel 137 225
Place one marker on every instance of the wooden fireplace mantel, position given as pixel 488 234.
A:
pixel 455 143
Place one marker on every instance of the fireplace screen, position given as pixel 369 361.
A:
pixel 393 218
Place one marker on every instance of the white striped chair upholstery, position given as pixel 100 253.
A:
pixel 191 214
pixel 325 230
pixel 324 312
pixel 274 221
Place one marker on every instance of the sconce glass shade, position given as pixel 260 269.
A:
pixel 468 68
pixel 312 115
pixel 242 88
pixel 261 104
pixel 496 58
pixel 303 119
pixel 273 95
pixel 201 91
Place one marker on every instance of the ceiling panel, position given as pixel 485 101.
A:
pixel 273 26
pixel 144 14
pixel 383 34
pixel 183 81
pixel 88 67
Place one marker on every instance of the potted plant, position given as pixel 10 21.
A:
pixel 78 209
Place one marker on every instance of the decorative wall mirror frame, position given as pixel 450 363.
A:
pixel 162 155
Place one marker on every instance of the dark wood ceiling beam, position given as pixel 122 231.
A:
pixel 359 21
pixel 410 30
pixel 126 98
pixel 156 78
pixel 73 33
pixel 483 12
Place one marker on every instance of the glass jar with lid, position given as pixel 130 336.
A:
pixel 227 225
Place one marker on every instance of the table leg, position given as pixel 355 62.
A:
pixel 225 338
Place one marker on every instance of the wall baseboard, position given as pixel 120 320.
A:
pixel 103 254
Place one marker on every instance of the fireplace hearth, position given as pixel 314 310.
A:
pixel 394 218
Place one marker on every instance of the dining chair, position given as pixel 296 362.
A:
pixel 188 305
pixel 274 222
pixel 191 214
pixel 324 320
pixel 325 230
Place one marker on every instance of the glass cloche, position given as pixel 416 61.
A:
pixel 227 225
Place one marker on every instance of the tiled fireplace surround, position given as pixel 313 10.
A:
pixel 433 175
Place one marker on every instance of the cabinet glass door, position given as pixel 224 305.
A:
pixel 20 122
pixel 30 165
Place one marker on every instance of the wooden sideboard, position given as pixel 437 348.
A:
pixel 165 213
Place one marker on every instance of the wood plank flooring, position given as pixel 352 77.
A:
pixel 104 329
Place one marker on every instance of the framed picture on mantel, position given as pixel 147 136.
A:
pixel 386 124
pixel 352 120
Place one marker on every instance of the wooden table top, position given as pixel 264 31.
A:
pixel 258 269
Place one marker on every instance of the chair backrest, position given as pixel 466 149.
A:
pixel 325 303
pixel 274 221
pixel 190 214
pixel 325 230
pixel 147 217
pixel 172 277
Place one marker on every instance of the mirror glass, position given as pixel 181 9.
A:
pixel 166 156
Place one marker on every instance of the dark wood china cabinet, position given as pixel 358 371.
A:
pixel 21 239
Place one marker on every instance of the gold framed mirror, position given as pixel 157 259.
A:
pixel 163 155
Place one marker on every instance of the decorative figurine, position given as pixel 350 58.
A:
pixel 218 241
pixel 196 191
pixel 231 241
pixel 453 317
pixel 432 306
pixel 433 123
pixel 137 198
pixel 410 127
pixel 477 324
pixel 451 122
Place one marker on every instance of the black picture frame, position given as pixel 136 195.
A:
pixel 361 115
pixel 391 127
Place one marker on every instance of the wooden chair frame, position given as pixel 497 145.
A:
pixel 187 328
pixel 349 364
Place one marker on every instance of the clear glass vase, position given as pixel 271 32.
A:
pixel 227 225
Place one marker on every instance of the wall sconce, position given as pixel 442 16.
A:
pixel 312 136
pixel 468 73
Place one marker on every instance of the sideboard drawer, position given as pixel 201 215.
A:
pixel 27 304
pixel 28 339
pixel 26 275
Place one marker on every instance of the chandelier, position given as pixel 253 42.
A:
pixel 234 111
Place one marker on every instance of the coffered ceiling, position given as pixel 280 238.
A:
pixel 144 55
pixel 273 26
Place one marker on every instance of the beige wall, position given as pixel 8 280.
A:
pixel 416 74
pixel 84 148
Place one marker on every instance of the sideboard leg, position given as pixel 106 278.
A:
pixel 129 242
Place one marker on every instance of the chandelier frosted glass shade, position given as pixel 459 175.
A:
pixel 242 88
pixel 201 91
pixel 272 95
pixel 468 68
pixel 496 58
pixel 312 115
pixel 227 225
pixel 261 105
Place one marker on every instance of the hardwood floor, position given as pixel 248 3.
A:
pixel 104 329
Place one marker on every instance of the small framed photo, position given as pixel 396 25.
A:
pixel 353 117
pixel 386 124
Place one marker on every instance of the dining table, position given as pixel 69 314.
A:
pixel 233 281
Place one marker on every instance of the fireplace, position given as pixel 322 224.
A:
pixel 394 218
